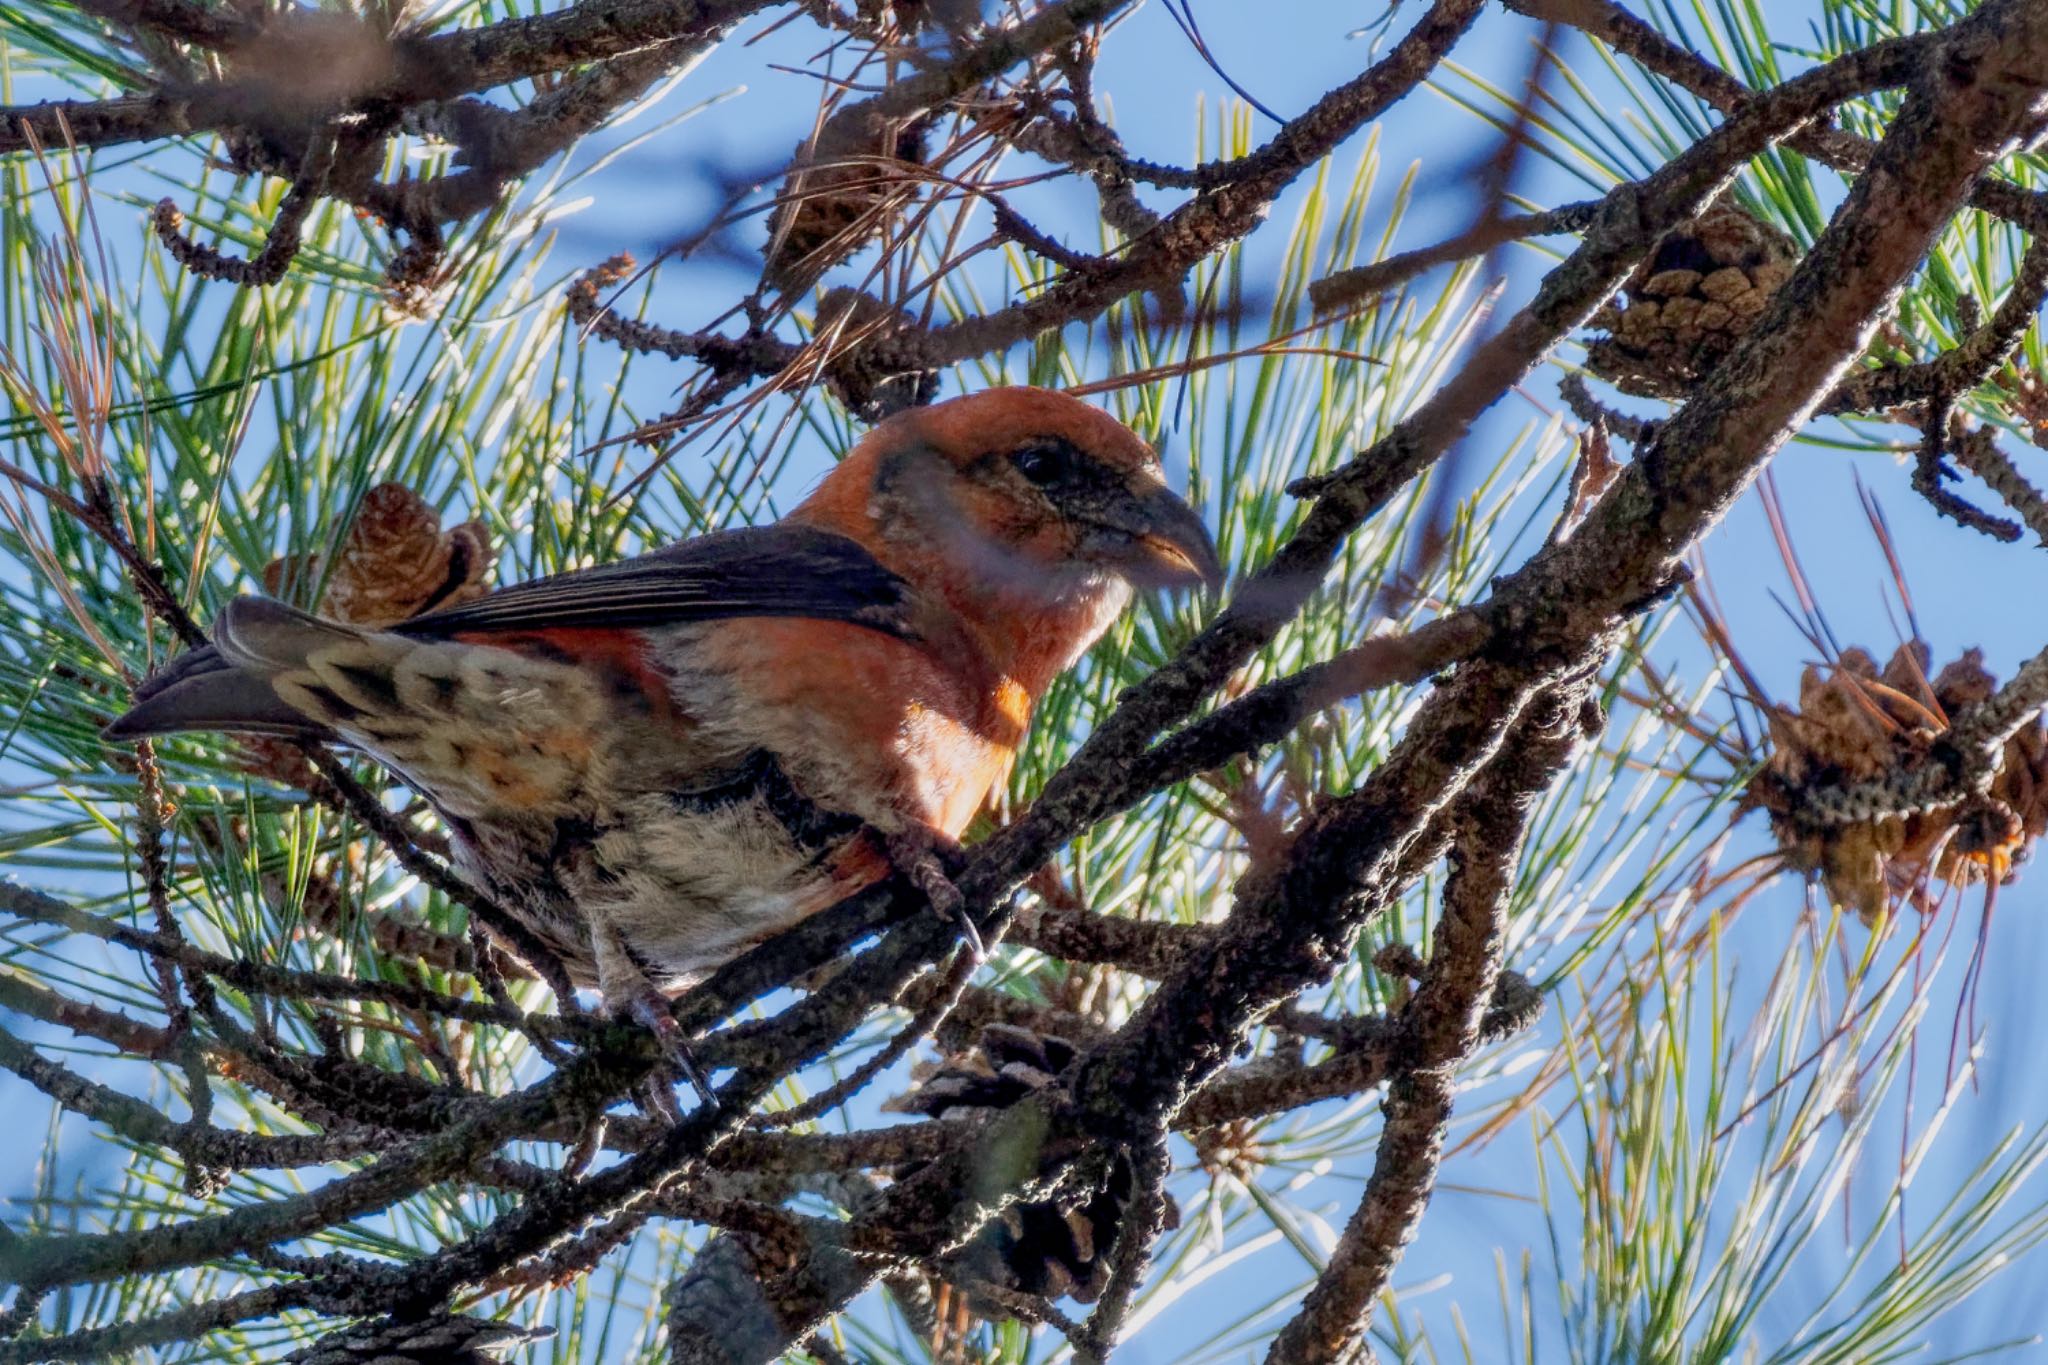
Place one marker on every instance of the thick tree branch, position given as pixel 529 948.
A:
pixel 1440 1028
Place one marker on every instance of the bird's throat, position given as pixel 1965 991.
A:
pixel 1027 620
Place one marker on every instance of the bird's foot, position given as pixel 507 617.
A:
pixel 921 854
pixel 627 994
pixel 648 1007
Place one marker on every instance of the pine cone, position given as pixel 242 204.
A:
pixel 842 193
pixel 1855 724
pixel 443 1339
pixel 395 562
pixel 1054 1249
pixel 1690 302
pixel 861 373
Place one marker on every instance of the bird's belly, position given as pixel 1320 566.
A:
pixel 692 884
pixel 686 880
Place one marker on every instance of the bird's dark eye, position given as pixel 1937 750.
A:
pixel 1046 463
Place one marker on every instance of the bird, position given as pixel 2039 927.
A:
pixel 656 764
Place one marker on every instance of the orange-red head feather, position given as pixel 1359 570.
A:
pixel 1028 512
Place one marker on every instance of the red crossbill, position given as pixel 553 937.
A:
pixel 657 763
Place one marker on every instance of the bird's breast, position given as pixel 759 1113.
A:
pixel 891 730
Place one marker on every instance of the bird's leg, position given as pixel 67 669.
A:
pixel 921 854
pixel 650 1009
pixel 628 994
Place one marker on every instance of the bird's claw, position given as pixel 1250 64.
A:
pixel 649 1008
pixel 917 854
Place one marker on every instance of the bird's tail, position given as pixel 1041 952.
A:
pixel 482 731
pixel 230 684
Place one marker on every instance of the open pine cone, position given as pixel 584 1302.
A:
pixel 1856 724
pixel 395 562
pixel 1690 301
pixel 864 371
pixel 1052 1250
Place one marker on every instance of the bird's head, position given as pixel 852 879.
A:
pixel 1022 507
pixel 1019 483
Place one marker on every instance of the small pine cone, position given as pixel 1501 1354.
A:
pixel 443 1339
pixel 1690 302
pixel 410 941
pixel 862 372
pixel 1052 1249
pixel 395 562
pixel 1231 1149
pixel 1836 734
pixel 842 193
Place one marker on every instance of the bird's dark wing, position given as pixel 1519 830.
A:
pixel 778 570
